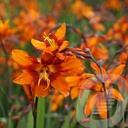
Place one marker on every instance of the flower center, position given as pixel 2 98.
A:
pixel 44 75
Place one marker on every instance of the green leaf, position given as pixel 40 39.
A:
pixel 66 123
pixel 30 120
pixel 10 122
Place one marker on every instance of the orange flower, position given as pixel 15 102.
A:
pixel 96 24
pixel 113 4
pixel 82 10
pixel 32 4
pixel 34 23
pixel 26 20
pixel 56 100
pixel 42 74
pixel 119 30
pixel 5 30
pixel 123 57
pixel 56 44
pixel 97 98
pixel 96 46
pixel 76 82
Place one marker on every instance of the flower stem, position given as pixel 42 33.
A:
pixel 101 79
pixel 7 67
pixel 34 112
pixel 40 113
pixel 117 52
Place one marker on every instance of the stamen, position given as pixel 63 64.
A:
pixel 46 38
pixel 47 79
pixel 40 78
pixel 45 76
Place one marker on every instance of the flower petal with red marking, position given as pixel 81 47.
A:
pixel 61 56
pixel 70 66
pixel 27 77
pixel 47 58
pixel 74 80
pixel 58 82
pixel 24 60
pixel 42 90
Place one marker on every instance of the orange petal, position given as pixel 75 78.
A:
pixel 116 95
pixel 97 68
pixel 74 92
pixel 92 100
pixel 42 90
pixel 102 108
pixel 24 60
pixel 60 33
pixel 53 107
pixel 118 70
pixel 74 80
pixel 71 66
pixel 61 56
pixel 38 44
pixel 114 74
pixel 123 57
pixel 88 75
pixel 58 82
pixel 27 77
pixel 63 45
pixel 47 58
pixel 101 52
pixel 97 87
pixel 90 84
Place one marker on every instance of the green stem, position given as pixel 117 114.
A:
pixel 117 52
pixel 105 95
pixel 48 117
pixel 40 113
pixel 123 89
pixel 123 123
pixel 34 112
pixel 9 84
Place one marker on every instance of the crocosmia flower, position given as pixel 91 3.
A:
pixel 55 43
pixel 97 98
pixel 41 74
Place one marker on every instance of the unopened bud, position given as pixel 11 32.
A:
pixel 87 50
pixel 80 57
pixel 68 53
pixel 100 62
